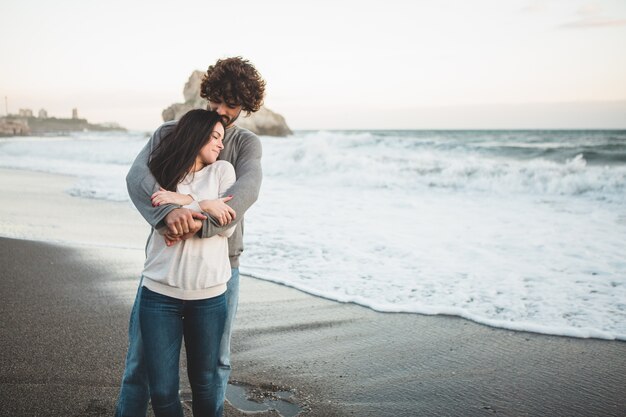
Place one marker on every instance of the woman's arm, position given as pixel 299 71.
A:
pixel 170 197
pixel 219 210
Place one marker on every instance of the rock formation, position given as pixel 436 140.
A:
pixel 263 122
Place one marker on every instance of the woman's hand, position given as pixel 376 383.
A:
pixel 219 210
pixel 169 197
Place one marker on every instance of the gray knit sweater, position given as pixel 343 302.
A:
pixel 242 148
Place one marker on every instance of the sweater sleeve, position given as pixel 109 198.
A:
pixel 227 178
pixel 245 190
pixel 141 184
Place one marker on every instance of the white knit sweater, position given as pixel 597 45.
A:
pixel 195 268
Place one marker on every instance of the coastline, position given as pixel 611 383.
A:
pixel 66 307
pixel 34 205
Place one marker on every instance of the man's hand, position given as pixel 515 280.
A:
pixel 182 221
pixel 171 239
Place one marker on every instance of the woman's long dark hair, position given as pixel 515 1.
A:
pixel 175 155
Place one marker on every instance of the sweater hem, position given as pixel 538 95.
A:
pixel 183 294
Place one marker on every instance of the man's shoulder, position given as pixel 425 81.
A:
pixel 241 133
pixel 246 141
pixel 167 126
pixel 163 130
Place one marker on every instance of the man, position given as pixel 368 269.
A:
pixel 231 86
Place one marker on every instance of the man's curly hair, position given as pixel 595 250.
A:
pixel 236 81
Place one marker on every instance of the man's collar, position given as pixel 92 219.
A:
pixel 229 131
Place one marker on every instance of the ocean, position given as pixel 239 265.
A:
pixel 523 230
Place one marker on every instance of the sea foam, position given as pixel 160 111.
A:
pixel 522 230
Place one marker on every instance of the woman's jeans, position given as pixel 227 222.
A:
pixel 165 322
pixel 134 392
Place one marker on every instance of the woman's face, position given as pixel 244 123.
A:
pixel 209 152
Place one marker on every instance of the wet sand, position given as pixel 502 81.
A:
pixel 65 313
pixel 65 309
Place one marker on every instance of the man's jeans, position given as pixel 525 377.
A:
pixel 165 322
pixel 134 393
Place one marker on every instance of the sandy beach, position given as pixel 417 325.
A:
pixel 70 270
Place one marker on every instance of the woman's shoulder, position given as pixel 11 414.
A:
pixel 222 166
pixel 217 168
pixel 220 170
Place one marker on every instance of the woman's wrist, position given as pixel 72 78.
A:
pixel 186 199
pixel 206 205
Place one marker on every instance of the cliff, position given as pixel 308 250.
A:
pixel 263 122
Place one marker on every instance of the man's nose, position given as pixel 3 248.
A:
pixel 221 109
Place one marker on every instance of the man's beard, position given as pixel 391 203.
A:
pixel 228 121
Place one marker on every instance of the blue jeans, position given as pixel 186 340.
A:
pixel 134 393
pixel 165 322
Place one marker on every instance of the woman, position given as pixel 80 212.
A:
pixel 184 282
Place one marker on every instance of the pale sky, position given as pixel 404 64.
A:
pixel 353 64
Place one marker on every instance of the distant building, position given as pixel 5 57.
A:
pixel 43 114
pixel 13 127
pixel 111 125
pixel 25 113
pixel 74 113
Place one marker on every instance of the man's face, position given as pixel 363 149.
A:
pixel 229 111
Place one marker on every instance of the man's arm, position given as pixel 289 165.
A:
pixel 141 183
pixel 245 190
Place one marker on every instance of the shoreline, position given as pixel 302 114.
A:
pixel 521 327
pixel 34 205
